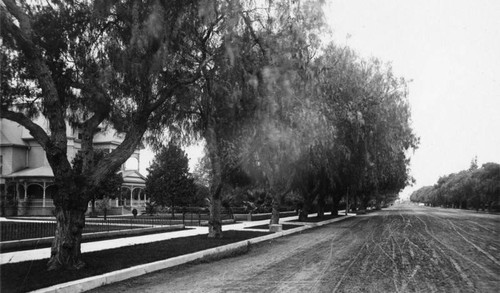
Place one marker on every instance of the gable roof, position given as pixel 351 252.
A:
pixel 11 134
pixel 44 171
pixel 133 177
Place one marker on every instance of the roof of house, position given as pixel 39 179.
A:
pixel 129 176
pixel 44 171
pixel 133 177
pixel 11 134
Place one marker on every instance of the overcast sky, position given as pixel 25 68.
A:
pixel 451 51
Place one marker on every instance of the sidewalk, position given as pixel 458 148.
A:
pixel 36 254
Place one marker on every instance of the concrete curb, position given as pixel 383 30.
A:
pixel 89 283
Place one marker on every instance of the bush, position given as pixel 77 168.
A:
pixel 151 208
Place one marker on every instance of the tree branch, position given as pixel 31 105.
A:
pixel 22 34
pixel 122 152
pixel 254 35
pixel 35 130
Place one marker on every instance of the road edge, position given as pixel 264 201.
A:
pixel 93 282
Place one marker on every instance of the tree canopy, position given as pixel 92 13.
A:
pixel 92 65
pixel 276 107
pixel 477 188
pixel 169 182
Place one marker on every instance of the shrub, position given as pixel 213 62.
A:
pixel 151 208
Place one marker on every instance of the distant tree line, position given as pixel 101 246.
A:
pixel 475 188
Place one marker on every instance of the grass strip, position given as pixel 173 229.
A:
pixel 317 219
pixel 28 230
pixel 98 238
pixel 266 227
pixel 32 275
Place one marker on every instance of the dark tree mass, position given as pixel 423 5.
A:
pixel 475 188
pixel 169 182
pixel 282 113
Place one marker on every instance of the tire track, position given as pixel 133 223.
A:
pixel 474 245
pixel 407 249
pixel 454 227
pixel 456 252
pixel 337 285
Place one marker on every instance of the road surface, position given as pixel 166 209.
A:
pixel 404 248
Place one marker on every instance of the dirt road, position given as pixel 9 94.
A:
pixel 401 249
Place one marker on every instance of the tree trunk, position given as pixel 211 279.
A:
pixel 335 205
pixel 275 216
pixel 353 203
pixel 304 213
pixel 321 204
pixel 71 201
pixel 93 213
pixel 65 252
pixel 321 208
pixel 214 223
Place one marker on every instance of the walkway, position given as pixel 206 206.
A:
pixel 35 254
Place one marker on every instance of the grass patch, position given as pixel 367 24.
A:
pixel 28 230
pixel 93 239
pixel 266 227
pixel 316 219
pixel 27 276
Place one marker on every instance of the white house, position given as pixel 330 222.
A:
pixel 26 179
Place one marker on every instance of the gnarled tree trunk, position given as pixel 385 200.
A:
pixel 70 205
pixel 65 251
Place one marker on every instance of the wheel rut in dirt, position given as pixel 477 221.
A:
pixel 401 249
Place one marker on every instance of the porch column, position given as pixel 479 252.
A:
pixel 17 191
pixel 25 190
pixel 131 194
pixel 116 200
pixel 44 187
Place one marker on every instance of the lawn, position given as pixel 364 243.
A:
pixel 317 219
pixel 27 276
pixel 10 230
pixel 266 227
pixel 85 240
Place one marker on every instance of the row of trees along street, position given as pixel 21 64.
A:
pixel 477 188
pixel 252 79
